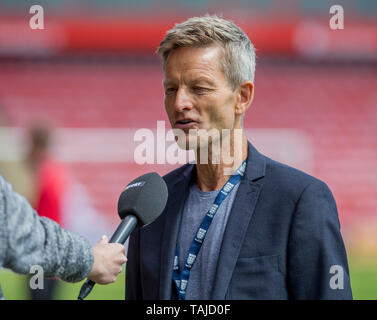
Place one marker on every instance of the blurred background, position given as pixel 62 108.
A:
pixel 73 95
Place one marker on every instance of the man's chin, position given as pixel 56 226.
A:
pixel 184 140
pixel 191 140
pixel 185 144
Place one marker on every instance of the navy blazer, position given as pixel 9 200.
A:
pixel 281 240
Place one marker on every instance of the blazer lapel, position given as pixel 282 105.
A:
pixel 177 195
pixel 239 219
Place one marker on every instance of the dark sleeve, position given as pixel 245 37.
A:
pixel 317 260
pixel 133 280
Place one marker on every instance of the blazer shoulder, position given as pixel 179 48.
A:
pixel 289 178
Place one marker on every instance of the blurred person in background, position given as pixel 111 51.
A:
pixel 27 239
pixel 50 181
pixel 49 176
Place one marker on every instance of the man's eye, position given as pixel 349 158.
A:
pixel 199 89
pixel 170 90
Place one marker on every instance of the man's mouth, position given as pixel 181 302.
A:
pixel 185 123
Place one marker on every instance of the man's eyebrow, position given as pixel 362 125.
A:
pixel 203 79
pixel 210 82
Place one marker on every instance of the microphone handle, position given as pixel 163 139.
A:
pixel 120 236
pixel 124 229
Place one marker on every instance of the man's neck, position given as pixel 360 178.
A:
pixel 211 176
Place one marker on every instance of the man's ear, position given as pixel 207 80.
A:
pixel 245 97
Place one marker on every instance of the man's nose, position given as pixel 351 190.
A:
pixel 182 100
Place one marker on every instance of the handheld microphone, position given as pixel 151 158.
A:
pixel 141 202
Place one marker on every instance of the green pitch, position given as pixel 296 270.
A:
pixel 15 287
pixel 363 273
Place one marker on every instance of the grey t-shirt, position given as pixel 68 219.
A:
pixel 196 206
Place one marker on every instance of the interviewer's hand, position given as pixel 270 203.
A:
pixel 108 260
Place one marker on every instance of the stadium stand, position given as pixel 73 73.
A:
pixel 334 105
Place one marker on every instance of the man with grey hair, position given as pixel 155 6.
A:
pixel 251 228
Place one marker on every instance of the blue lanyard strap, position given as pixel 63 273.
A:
pixel 181 278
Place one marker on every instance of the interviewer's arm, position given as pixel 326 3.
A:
pixel 28 239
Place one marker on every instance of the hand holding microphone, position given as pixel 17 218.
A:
pixel 108 261
pixel 142 201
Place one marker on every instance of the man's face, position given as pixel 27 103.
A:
pixel 197 93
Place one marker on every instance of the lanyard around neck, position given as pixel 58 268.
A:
pixel 181 278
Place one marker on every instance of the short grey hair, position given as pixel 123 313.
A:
pixel 238 59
